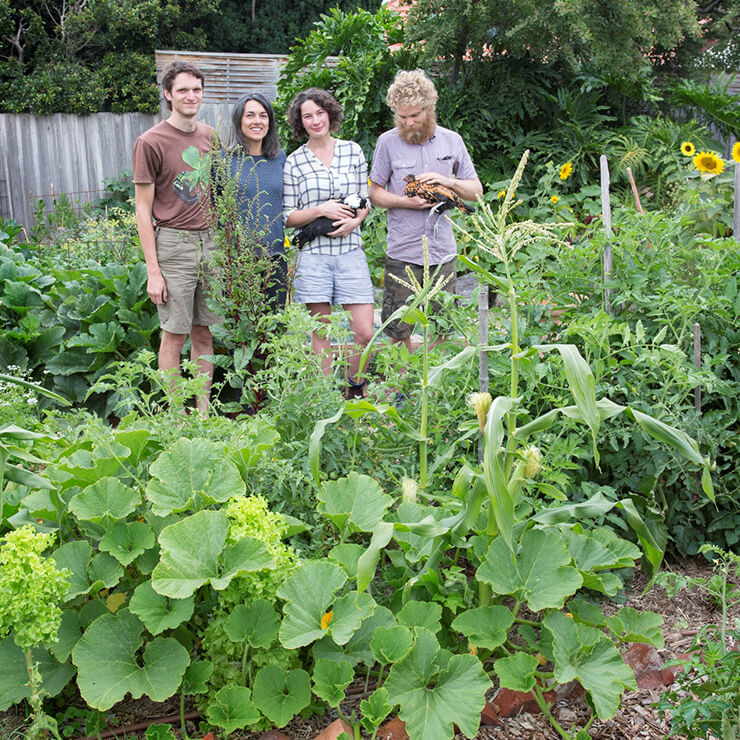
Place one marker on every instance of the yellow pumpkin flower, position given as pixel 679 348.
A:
pixel 554 198
pixel 687 149
pixel 500 194
pixel 565 170
pixel 709 162
pixel 736 151
pixel 326 619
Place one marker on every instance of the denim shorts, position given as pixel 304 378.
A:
pixel 336 279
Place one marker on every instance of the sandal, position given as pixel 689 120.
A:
pixel 354 390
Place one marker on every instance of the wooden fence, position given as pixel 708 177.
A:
pixel 44 156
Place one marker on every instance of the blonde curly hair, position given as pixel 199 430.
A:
pixel 411 88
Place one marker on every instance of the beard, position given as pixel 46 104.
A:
pixel 418 134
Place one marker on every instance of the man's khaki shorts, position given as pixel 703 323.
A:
pixel 396 295
pixel 184 260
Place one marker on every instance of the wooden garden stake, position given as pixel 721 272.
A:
pixel 483 357
pixel 638 205
pixel 606 211
pixel 697 363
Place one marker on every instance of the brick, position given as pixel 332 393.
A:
pixel 394 729
pixel 646 664
pixel 489 716
pixel 508 703
pixel 334 730
pixel 273 735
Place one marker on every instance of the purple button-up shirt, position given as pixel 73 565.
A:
pixel 393 159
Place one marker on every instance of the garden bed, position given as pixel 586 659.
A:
pixel 636 718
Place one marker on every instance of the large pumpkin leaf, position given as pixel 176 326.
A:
pixel 308 593
pixel 516 672
pixel 108 667
pixel 540 574
pixel 331 678
pixel 194 553
pixel 256 624
pixel 157 612
pixel 232 708
pixel 348 613
pixel 280 696
pixel 106 499
pixel 354 504
pixel 431 700
pixel 14 674
pixel 486 626
pixel 391 644
pixel 87 573
pixel 358 649
pixel 190 475
pixel 426 614
pixel 585 654
pixel 125 541
pixel 629 625
pixel 87 467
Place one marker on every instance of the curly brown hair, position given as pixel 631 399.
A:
pixel 323 99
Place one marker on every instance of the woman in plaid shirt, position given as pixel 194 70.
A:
pixel 331 269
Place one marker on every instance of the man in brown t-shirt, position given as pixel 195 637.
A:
pixel 174 233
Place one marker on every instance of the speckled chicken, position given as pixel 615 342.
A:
pixel 322 225
pixel 444 198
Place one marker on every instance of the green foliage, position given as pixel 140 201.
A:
pixel 271 28
pixel 436 690
pixel 31 587
pixel 615 37
pixel 360 78
pixel 705 701
pixel 92 57
pixel 103 682
pixel 712 103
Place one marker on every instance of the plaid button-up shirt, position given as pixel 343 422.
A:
pixel 308 182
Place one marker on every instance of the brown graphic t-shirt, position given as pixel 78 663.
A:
pixel 158 159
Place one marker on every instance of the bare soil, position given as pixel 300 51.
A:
pixel 636 719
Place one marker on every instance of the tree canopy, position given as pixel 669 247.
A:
pixel 83 56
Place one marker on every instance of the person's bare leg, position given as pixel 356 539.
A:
pixel 361 323
pixel 320 343
pixel 201 343
pixel 406 341
pixel 170 349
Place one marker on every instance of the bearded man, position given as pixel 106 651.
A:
pixel 433 154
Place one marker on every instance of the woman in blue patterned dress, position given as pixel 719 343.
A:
pixel 332 268
pixel 257 161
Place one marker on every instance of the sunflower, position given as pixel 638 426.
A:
pixel 736 151
pixel 565 170
pixel 687 149
pixel 708 162
pixel 554 198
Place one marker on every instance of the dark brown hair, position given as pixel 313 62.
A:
pixel 175 68
pixel 323 99
pixel 270 144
